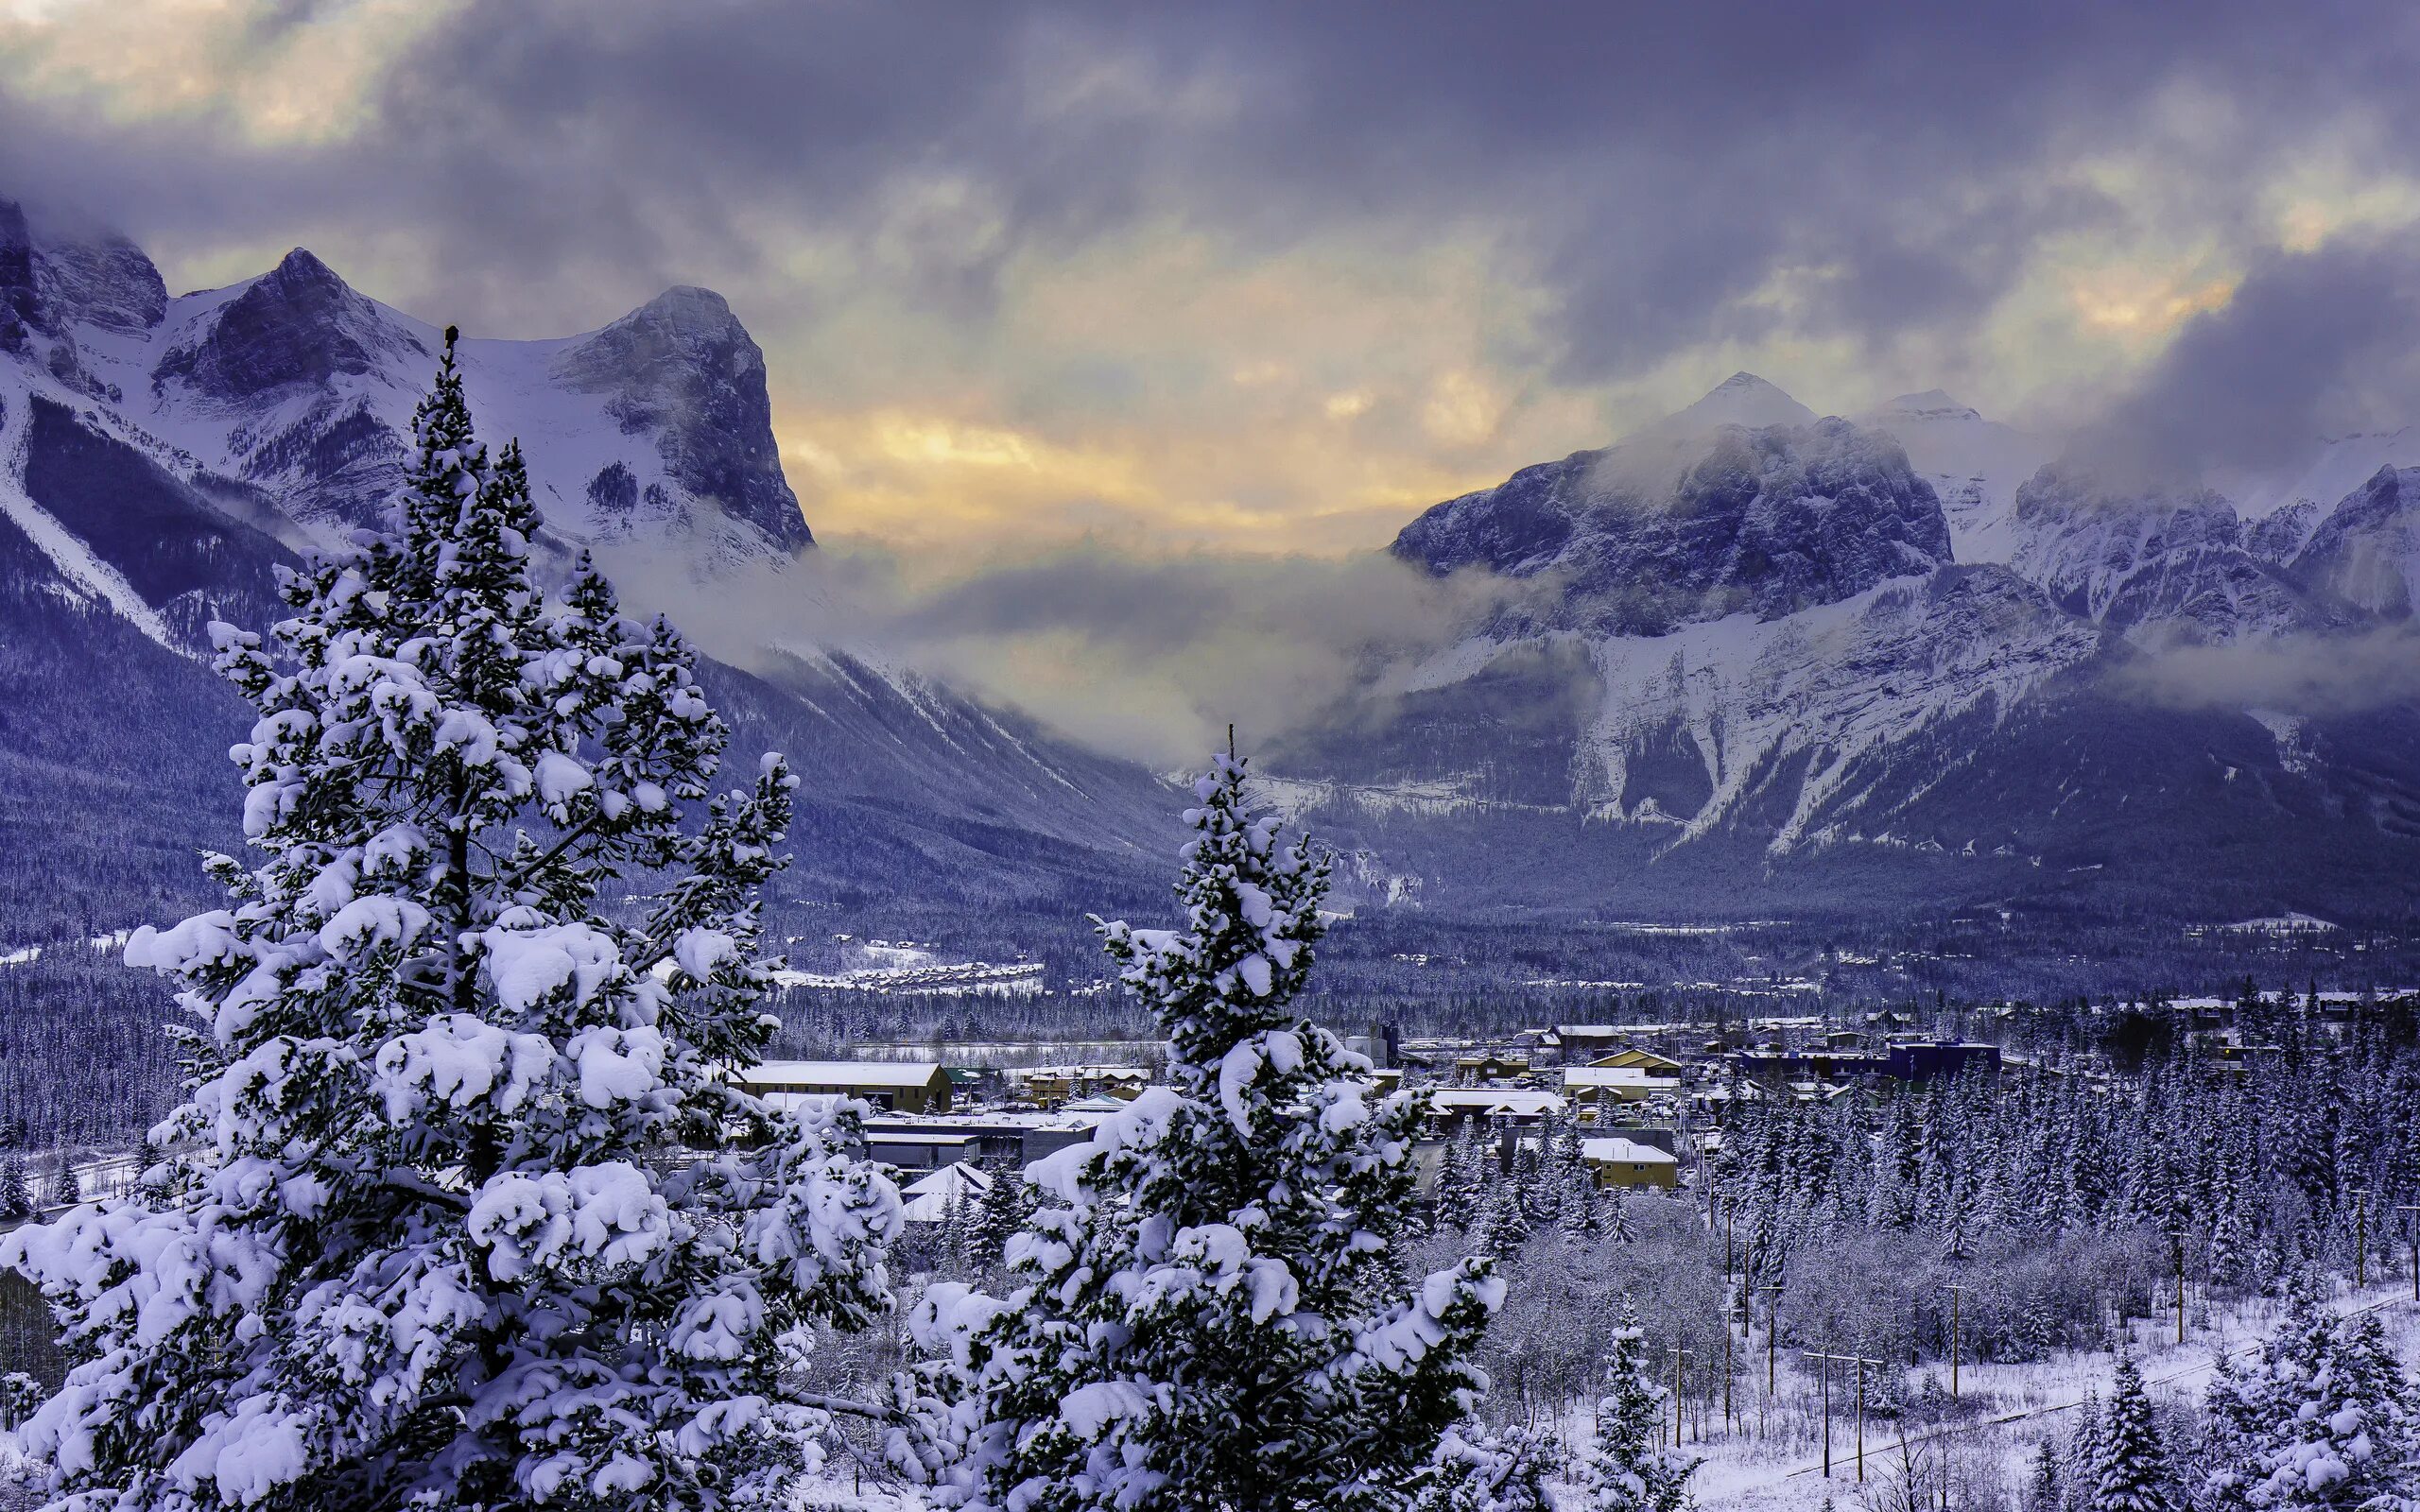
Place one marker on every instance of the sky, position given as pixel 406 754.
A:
pixel 1270 279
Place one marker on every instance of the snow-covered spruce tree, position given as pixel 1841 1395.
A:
pixel 2133 1474
pixel 1476 1468
pixel 2323 1420
pixel 1202 1322
pixel 1627 1469
pixel 16 1198
pixel 466 1209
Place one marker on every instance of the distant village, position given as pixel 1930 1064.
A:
pixel 1650 1101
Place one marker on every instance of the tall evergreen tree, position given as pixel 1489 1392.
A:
pixel 2322 1421
pixel 16 1198
pixel 1627 1469
pixel 2132 1474
pixel 1202 1321
pixel 455 1215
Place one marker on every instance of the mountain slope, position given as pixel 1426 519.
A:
pixel 161 458
pixel 1695 722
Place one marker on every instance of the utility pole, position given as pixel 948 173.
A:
pixel 1772 1330
pixel 1823 1369
pixel 1726 1360
pixel 2180 1288
pixel 1863 1363
pixel 1955 1291
pixel 2412 1216
pixel 2361 1238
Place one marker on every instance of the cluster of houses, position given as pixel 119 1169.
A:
pixel 1643 1113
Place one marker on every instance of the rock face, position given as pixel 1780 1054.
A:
pixel 1756 679
pixel 161 458
pixel 2150 560
pixel 682 368
pixel 1766 522
pixel 2367 552
pixel 298 325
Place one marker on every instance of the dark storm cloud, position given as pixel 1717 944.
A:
pixel 2311 344
pixel 1655 165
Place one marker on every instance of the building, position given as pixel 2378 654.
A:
pixel 930 1198
pixel 1592 1088
pixel 897 1086
pixel 1646 1061
pixel 1455 1106
pixel 1491 1066
pixel 1903 1061
pixel 1626 1164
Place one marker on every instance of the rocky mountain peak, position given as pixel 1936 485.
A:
pixel 684 367
pixel 1767 520
pixel 2367 551
pixel 297 324
pixel 1743 399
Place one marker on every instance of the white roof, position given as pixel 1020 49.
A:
pixel 1495 1099
pixel 1614 1077
pixel 927 1201
pixel 881 1137
pixel 843 1073
pixel 1622 1149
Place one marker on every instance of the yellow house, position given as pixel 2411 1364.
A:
pixel 1646 1061
pixel 1600 1087
pixel 1627 1163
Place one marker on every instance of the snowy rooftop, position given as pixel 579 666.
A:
pixel 1494 1099
pixel 1621 1149
pixel 843 1073
pixel 1614 1077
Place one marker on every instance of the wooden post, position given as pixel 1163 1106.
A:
pixel 1955 1291
pixel 1824 1371
pixel 1679 1354
pixel 2360 1239
pixel 2411 1214
pixel 2180 1288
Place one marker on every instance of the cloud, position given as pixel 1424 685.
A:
pixel 1147 657
pixel 2314 676
pixel 2310 343
pixel 1452 241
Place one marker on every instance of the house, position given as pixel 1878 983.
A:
pixel 1627 1163
pixel 1491 1066
pixel 1583 1043
pixel 930 1198
pixel 1455 1106
pixel 896 1086
pixel 1596 1088
pixel 1647 1061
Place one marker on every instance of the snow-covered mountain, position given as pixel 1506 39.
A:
pixel 2367 551
pixel 160 457
pixel 1975 465
pixel 1770 671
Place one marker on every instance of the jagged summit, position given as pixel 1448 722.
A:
pixel 1769 521
pixel 1743 399
pixel 297 326
pixel 297 389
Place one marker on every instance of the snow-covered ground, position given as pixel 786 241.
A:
pixel 1779 1467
